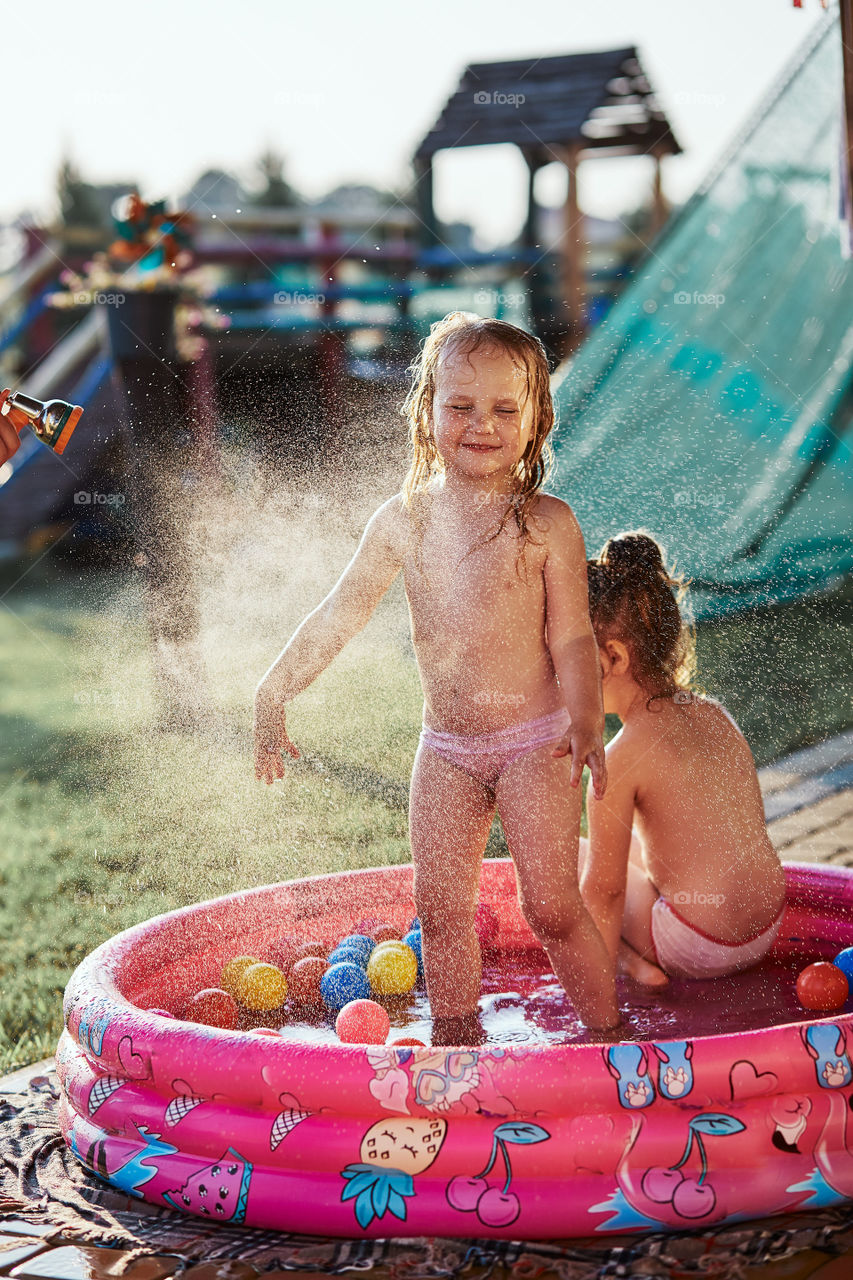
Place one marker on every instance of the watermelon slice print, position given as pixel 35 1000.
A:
pixel 218 1191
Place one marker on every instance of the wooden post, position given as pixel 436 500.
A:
pixel 573 257
pixel 846 7
pixel 425 201
pixel 528 232
pixel 660 205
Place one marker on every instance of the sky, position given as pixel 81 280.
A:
pixel 158 92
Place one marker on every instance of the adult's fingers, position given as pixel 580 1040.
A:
pixel 563 747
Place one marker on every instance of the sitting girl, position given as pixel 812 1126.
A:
pixel 679 860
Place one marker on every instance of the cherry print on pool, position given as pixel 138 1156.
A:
pixel 647 1195
pixel 379 1186
pixel 495 1206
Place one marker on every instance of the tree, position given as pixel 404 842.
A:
pixel 277 192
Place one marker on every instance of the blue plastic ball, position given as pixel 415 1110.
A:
pixel 343 982
pixel 358 942
pixel 414 941
pixel 415 926
pixel 345 954
pixel 844 962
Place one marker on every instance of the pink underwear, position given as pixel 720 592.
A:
pixel 684 951
pixel 484 756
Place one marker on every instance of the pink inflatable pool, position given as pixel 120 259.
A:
pixel 525 1138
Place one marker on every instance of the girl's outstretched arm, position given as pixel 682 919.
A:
pixel 324 632
pixel 572 645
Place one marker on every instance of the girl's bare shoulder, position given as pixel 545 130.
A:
pixel 552 517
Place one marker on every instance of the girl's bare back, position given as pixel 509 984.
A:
pixel 700 817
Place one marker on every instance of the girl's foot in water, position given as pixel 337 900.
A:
pixel 466 1029
pixel 630 963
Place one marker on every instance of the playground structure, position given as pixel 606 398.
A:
pixel 749 399
pixel 567 109
pixel 314 297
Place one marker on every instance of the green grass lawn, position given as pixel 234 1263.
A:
pixel 105 822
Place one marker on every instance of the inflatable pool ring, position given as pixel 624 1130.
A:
pixel 520 1140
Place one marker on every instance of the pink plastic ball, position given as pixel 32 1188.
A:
pixel 363 1022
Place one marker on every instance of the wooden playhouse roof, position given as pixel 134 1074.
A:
pixel 601 100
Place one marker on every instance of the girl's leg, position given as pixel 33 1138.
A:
pixel 450 815
pixel 540 813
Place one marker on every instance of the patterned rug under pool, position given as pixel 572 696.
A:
pixel 40 1180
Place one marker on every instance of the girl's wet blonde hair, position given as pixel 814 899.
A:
pixel 461 332
pixel 635 598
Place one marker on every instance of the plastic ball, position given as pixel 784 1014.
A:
pixel 844 962
pixel 822 987
pixel 415 926
pixel 407 1042
pixel 232 974
pixel 310 949
pixel 262 987
pixel 393 970
pixel 213 1008
pixel 304 981
pixel 414 940
pixel 386 933
pixel 357 942
pixel 342 983
pixel 349 955
pixel 366 926
pixel 363 1022
pixel 486 924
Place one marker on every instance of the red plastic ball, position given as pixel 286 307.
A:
pixel 386 933
pixel 304 985
pixel 407 1042
pixel 822 987
pixel 213 1008
pixel 304 949
pixel 363 1022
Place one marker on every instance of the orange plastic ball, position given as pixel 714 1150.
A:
pixel 304 985
pixel 821 987
pixel 407 1042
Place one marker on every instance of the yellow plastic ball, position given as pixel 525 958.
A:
pixel 232 974
pixel 392 969
pixel 262 987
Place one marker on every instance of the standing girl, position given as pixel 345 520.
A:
pixel 495 578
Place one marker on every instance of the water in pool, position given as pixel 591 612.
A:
pixel 523 1002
